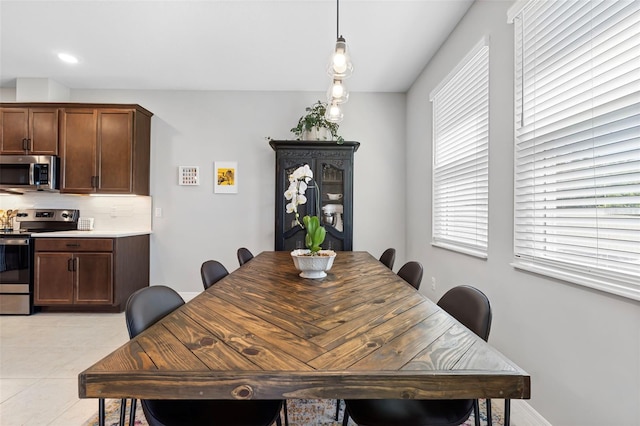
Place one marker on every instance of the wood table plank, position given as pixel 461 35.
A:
pixel 263 332
pixel 213 352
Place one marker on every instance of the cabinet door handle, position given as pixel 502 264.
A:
pixel 25 144
pixel 70 265
pixel 75 264
pixel 97 182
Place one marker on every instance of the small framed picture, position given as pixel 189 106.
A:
pixel 226 177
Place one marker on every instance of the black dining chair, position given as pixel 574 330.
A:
pixel 470 307
pixel 388 257
pixel 149 305
pixel 412 272
pixel 244 255
pixel 464 303
pixel 211 272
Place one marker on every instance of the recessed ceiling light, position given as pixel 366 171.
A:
pixel 65 57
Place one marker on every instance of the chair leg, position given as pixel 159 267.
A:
pixel 476 412
pixel 337 409
pixel 286 414
pixel 507 412
pixel 345 417
pixel 132 414
pixel 123 411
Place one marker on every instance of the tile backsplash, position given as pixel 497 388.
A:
pixel 110 213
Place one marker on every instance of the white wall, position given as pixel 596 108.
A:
pixel 198 128
pixel 581 346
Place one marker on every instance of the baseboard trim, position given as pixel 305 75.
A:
pixel 188 295
pixel 523 414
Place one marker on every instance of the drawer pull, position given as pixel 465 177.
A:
pixel 73 245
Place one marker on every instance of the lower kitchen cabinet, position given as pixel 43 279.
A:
pixel 89 273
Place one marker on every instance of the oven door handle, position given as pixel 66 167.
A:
pixel 14 241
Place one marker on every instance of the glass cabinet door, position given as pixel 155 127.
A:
pixel 293 233
pixel 332 204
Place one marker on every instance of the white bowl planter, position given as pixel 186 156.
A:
pixel 313 266
pixel 317 134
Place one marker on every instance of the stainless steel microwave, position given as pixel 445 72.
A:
pixel 21 173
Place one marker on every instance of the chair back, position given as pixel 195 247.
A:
pixel 388 257
pixel 244 255
pixel 149 305
pixel 212 271
pixel 470 306
pixel 412 272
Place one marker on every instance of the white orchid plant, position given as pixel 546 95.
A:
pixel 299 181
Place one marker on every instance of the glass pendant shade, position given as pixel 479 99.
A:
pixel 340 65
pixel 334 113
pixel 337 93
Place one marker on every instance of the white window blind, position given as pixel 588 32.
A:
pixel 460 156
pixel 577 131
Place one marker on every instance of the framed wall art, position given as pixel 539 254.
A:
pixel 226 177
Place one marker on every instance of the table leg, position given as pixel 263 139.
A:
pixel 507 412
pixel 101 412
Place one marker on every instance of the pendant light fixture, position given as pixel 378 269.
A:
pixel 340 68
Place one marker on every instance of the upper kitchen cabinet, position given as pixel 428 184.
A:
pixel 332 166
pixel 105 150
pixel 29 131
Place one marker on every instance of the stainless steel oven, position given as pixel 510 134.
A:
pixel 16 255
pixel 16 284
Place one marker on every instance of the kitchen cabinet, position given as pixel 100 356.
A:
pixel 89 273
pixel 105 150
pixel 29 131
pixel 332 165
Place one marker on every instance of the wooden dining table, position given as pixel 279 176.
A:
pixel 263 332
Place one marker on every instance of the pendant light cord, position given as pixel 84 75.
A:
pixel 337 19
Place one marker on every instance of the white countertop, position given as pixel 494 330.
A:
pixel 90 234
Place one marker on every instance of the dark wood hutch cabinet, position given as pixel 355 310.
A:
pixel 332 166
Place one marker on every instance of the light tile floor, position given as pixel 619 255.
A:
pixel 40 358
pixel 42 354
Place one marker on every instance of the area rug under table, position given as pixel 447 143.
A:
pixel 302 412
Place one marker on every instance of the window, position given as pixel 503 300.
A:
pixel 577 135
pixel 461 156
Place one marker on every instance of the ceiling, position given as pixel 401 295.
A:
pixel 272 45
